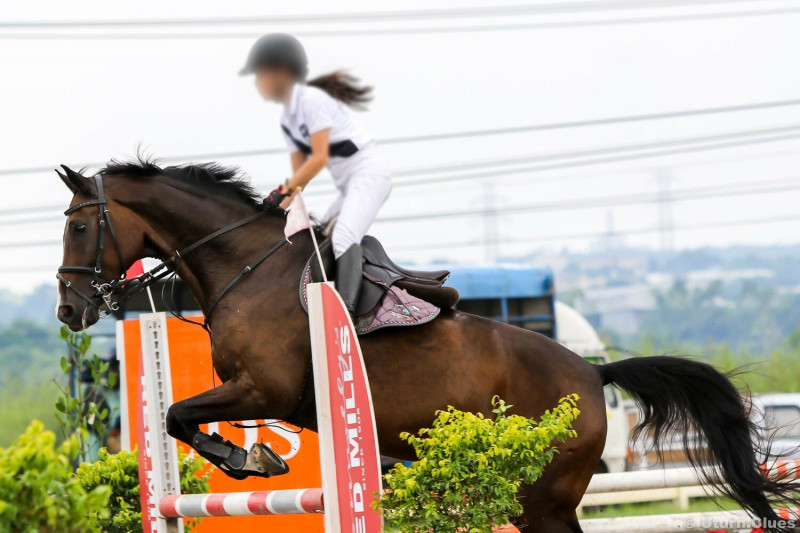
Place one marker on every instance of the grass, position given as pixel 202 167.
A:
pixel 20 404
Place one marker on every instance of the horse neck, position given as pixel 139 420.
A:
pixel 178 216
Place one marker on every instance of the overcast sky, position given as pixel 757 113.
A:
pixel 82 100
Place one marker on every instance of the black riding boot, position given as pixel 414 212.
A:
pixel 348 277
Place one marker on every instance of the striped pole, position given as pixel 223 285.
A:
pixel 265 502
pixel 782 469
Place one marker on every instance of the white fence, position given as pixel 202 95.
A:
pixel 689 522
pixel 677 485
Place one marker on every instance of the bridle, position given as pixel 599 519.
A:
pixel 105 286
pixel 102 283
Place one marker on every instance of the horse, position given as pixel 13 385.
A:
pixel 206 223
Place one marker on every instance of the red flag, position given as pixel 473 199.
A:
pixel 297 220
pixel 136 269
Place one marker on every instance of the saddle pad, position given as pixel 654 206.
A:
pixel 396 308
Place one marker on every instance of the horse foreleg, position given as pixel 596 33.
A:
pixel 233 400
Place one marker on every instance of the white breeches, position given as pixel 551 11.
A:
pixel 356 208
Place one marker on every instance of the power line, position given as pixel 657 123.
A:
pixel 31 244
pixel 547 8
pixel 465 133
pixel 593 236
pixel 406 31
pixel 730 189
pixel 27 270
pixel 528 240
pixel 508 161
pixel 783 185
pixel 168 159
pixel 589 157
pixel 38 220
pixel 494 173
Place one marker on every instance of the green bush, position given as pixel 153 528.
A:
pixel 38 493
pixel 120 472
pixel 470 468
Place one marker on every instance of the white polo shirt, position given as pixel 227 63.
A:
pixel 311 110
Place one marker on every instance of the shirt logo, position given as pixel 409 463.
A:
pixel 304 130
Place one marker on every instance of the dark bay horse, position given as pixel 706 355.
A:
pixel 261 347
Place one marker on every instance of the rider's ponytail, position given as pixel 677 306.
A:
pixel 345 88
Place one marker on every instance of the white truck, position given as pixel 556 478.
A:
pixel 779 416
pixel 575 332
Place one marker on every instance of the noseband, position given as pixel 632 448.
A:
pixel 106 286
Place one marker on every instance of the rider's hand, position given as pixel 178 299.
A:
pixel 276 197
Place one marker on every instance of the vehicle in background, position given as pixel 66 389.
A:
pixel 779 416
pixel 525 297
pixel 577 334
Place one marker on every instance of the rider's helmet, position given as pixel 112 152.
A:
pixel 277 50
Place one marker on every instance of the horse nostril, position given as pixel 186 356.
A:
pixel 66 311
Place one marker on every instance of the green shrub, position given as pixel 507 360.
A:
pixel 38 493
pixel 120 472
pixel 470 468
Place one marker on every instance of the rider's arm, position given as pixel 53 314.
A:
pixel 313 164
pixel 297 159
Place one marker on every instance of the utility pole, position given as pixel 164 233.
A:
pixel 611 238
pixel 666 225
pixel 490 223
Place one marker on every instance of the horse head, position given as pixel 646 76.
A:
pixel 95 250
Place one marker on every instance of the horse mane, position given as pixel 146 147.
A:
pixel 228 181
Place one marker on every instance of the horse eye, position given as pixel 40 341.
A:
pixel 79 228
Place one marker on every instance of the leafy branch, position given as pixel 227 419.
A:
pixel 80 407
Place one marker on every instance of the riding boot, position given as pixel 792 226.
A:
pixel 348 277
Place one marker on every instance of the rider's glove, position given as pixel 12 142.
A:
pixel 276 197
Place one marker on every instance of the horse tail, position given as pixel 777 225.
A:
pixel 698 403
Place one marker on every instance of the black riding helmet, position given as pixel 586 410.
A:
pixel 277 50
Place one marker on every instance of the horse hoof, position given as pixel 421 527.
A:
pixel 261 462
pixel 261 458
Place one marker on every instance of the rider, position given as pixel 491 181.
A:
pixel 320 132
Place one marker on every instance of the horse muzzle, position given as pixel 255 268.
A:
pixel 78 318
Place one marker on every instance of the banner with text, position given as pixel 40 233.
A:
pixel 348 441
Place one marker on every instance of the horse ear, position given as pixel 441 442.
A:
pixel 76 182
pixel 67 182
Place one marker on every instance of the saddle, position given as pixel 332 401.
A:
pixel 390 294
